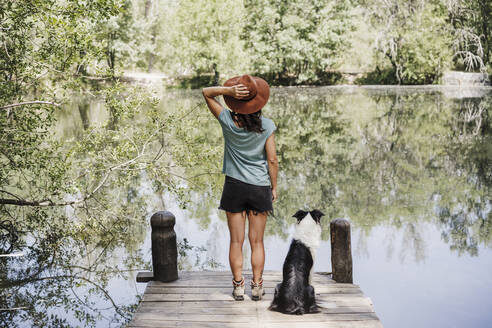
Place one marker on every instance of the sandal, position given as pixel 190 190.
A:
pixel 238 291
pixel 257 291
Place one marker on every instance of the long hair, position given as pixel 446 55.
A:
pixel 251 122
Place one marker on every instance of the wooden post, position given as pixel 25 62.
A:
pixel 341 251
pixel 164 248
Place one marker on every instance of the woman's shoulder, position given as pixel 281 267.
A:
pixel 267 124
pixel 266 120
pixel 225 117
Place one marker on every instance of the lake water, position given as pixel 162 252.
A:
pixel 409 167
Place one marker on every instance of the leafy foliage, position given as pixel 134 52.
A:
pixel 205 38
pixel 414 38
pixel 296 42
pixel 472 33
pixel 70 203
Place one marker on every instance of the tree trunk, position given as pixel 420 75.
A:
pixel 216 75
pixel 148 5
pixel 485 10
pixel 83 110
pixel 151 54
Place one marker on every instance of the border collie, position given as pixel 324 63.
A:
pixel 295 295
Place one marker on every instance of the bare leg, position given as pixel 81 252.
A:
pixel 257 225
pixel 236 223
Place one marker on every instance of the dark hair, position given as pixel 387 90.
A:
pixel 251 122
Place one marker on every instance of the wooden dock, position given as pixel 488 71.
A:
pixel 203 299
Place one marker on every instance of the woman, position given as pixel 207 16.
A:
pixel 250 165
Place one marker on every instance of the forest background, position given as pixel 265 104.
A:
pixel 286 42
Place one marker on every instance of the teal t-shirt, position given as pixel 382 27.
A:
pixel 244 151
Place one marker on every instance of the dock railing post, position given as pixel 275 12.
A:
pixel 164 249
pixel 341 251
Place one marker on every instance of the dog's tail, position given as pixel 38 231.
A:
pixel 312 304
pixel 274 306
pixel 314 308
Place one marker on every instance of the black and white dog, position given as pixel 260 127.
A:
pixel 295 295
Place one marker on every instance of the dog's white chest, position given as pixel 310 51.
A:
pixel 309 233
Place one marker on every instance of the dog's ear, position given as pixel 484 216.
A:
pixel 316 215
pixel 300 215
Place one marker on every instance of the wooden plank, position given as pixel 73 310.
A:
pixel 339 300
pixel 190 297
pixel 221 296
pixel 247 272
pixel 203 283
pixel 287 324
pixel 181 324
pixel 330 289
pixel 164 311
pixel 269 316
pixel 239 309
pixel 326 324
pixel 145 276
pixel 226 294
pixel 206 283
pixel 319 279
pixel 272 276
pixel 197 304
pixel 193 317
pixel 260 305
pixel 315 279
pixel 266 316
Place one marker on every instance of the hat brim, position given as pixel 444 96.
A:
pixel 252 105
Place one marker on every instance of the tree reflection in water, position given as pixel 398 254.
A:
pixel 395 158
pixel 68 263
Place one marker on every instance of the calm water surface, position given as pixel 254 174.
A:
pixel 411 168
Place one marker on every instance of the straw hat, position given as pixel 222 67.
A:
pixel 259 91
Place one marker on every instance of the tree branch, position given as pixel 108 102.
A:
pixel 49 202
pixel 11 194
pixel 34 102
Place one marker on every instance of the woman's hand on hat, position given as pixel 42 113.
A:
pixel 239 91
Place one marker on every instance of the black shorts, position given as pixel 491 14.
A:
pixel 239 196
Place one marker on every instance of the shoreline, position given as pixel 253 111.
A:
pixel 170 82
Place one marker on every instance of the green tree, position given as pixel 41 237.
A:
pixel 146 37
pixel 205 39
pixel 413 37
pixel 70 203
pixel 295 42
pixel 472 33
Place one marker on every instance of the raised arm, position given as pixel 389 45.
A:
pixel 237 91
pixel 271 155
